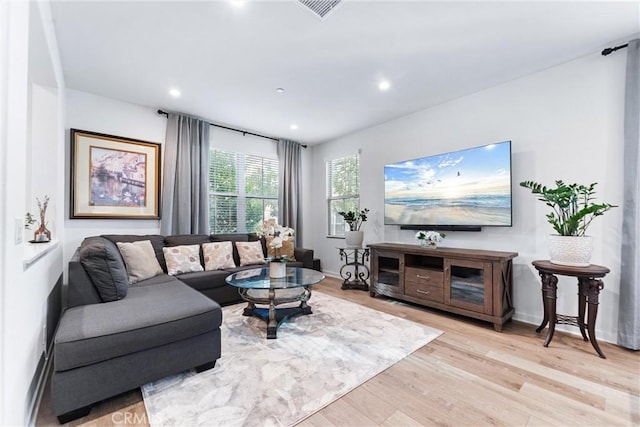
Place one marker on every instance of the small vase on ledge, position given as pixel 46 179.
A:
pixel 42 234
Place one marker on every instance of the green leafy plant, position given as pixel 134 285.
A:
pixel 572 205
pixel 29 220
pixel 354 218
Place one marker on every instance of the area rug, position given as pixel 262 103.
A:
pixel 315 360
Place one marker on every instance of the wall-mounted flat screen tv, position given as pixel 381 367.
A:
pixel 466 188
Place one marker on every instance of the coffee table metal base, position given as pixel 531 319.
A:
pixel 272 315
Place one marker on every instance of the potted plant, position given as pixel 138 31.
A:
pixel 42 234
pixel 573 209
pixel 429 239
pixel 354 219
pixel 275 236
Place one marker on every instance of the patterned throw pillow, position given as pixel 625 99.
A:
pixel 218 255
pixel 250 253
pixel 286 249
pixel 140 260
pixel 182 259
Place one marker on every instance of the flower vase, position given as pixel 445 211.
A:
pixel 277 270
pixel 428 244
pixel 42 234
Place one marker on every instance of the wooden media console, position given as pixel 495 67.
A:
pixel 470 282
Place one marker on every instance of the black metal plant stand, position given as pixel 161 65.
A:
pixel 354 271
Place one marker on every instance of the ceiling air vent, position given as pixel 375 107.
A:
pixel 320 8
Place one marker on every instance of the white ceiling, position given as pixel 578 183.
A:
pixel 228 61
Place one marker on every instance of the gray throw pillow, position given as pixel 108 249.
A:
pixel 103 263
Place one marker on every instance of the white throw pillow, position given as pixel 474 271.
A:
pixel 140 260
pixel 250 253
pixel 218 255
pixel 182 259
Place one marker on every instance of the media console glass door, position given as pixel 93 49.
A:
pixel 468 285
pixel 388 272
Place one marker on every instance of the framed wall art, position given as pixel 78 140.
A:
pixel 113 177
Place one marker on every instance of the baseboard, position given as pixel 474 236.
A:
pixel 333 274
pixel 534 321
pixel 38 385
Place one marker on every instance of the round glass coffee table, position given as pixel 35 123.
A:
pixel 256 287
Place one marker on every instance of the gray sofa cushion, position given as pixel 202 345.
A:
pixel 187 239
pixel 160 278
pixel 204 279
pixel 230 237
pixel 102 261
pixel 150 316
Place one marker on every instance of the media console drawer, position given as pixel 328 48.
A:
pixel 424 276
pixel 429 292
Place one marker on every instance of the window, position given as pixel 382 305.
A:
pixel 243 191
pixel 343 191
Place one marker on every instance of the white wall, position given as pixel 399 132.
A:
pixel 564 123
pixel 229 140
pixel 104 115
pixel 30 122
pixel 14 125
pixel 42 173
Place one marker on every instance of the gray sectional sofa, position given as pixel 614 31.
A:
pixel 115 336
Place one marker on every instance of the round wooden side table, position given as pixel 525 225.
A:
pixel 589 286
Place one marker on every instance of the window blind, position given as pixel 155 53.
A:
pixel 243 191
pixel 343 191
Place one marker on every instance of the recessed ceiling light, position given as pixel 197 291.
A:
pixel 294 126
pixel 175 93
pixel 384 85
pixel 280 90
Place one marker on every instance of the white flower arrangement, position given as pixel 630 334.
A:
pixel 279 233
pixel 430 238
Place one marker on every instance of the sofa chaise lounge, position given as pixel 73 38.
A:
pixel 115 336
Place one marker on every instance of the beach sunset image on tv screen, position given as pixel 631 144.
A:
pixel 470 187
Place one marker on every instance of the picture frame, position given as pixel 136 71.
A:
pixel 114 177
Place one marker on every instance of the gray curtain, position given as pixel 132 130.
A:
pixel 185 188
pixel 629 307
pixel 289 193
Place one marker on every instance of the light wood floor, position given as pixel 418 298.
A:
pixel 469 376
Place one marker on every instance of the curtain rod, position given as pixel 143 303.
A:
pixel 243 132
pixel 610 50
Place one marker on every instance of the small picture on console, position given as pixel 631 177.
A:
pixel 469 187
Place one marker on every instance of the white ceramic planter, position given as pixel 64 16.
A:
pixel 277 270
pixel 354 239
pixel 574 251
